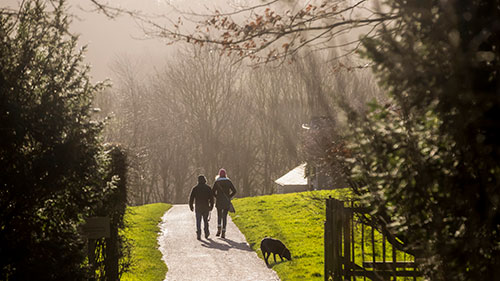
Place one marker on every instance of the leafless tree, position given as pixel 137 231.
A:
pixel 276 30
pixel 270 30
pixel 203 111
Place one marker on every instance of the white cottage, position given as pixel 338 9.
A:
pixel 297 181
pixel 293 181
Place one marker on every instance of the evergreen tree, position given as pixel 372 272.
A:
pixel 50 154
pixel 429 162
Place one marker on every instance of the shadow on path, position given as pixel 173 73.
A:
pixel 229 244
pixel 209 259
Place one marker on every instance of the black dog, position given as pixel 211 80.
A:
pixel 270 246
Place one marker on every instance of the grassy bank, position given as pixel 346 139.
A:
pixel 143 232
pixel 297 220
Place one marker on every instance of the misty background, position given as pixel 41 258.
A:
pixel 183 110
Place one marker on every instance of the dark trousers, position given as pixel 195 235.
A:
pixel 221 218
pixel 199 216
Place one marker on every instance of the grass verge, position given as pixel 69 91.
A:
pixel 296 219
pixel 142 231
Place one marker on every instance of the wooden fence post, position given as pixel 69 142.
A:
pixel 347 242
pixel 337 220
pixel 328 240
pixel 117 211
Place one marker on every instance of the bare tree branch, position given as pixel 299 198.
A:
pixel 268 26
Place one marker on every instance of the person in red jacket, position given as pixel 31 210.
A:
pixel 223 191
pixel 203 199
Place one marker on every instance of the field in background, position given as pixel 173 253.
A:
pixel 143 231
pixel 296 219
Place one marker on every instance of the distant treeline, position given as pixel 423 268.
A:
pixel 203 111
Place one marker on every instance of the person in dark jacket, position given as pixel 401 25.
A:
pixel 203 199
pixel 223 191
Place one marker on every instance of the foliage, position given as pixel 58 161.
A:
pixel 428 162
pixel 52 163
pixel 297 220
pixel 142 230
pixel 113 253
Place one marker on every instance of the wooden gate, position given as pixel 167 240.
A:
pixel 356 250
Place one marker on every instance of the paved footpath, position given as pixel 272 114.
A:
pixel 209 259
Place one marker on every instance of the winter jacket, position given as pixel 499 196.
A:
pixel 202 197
pixel 223 191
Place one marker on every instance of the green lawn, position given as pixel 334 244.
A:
pixel 143 231
pixel 297 220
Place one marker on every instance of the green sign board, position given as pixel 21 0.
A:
pixel 96 227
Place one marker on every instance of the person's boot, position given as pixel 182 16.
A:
pixel 218 231
pixel 198 235
pixel 207 233
pixel 223 235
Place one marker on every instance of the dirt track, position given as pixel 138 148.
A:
pixel 209 259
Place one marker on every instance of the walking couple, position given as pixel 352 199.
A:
pixel 203 198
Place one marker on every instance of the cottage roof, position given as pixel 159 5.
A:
pixel 297 176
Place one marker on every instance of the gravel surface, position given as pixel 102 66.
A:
pixel 209 259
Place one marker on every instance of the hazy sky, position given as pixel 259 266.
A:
pixel 107 39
